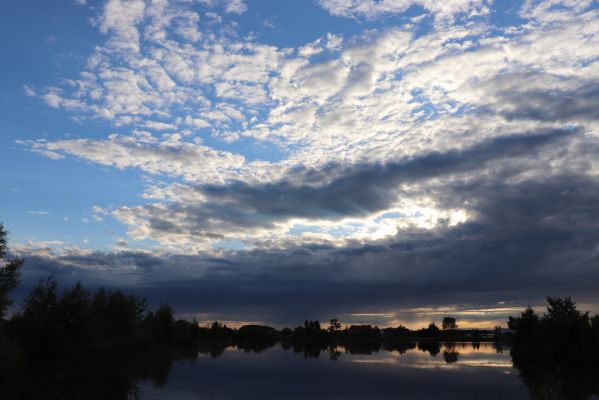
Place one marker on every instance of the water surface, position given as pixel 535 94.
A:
pixel 448 371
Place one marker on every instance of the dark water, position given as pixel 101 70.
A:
pixel 460 371
pixel 371 370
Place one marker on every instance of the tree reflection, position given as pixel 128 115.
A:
pixel 432 347
pixel 400 346
pixel 450 357
pixel 85 376
pixel 363 347
pixel 450 354
pixel 212 349
pixel 549 379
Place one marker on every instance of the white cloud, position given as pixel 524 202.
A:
pixel 52 99
pixel 38 212
pixel 99 210
pixel 191 161
pixel 547 11
pixel 120 19
pixel 310 49
pixel 29 90
pixel 235 6
pixel 372 9
pixel 333 42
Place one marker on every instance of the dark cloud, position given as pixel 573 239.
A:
pixel 363 189
pixel 530 239
pixel 337 193
pixel 542 97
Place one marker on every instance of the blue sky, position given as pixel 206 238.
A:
pixel 304 144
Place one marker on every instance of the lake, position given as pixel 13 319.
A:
pixel 367 369
pixel 448 371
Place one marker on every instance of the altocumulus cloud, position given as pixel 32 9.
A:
pixel 452 166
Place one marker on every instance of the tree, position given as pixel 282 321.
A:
pixel 526 325
pixel 163 324
pixel 42 302
pixel 449 323
pixel 334 325
pixel 311 327
pixel 432 330
pixel 74 311
pixel 563 312
pixel 10 272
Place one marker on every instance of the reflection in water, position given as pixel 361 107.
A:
pixel 86 376
pixel 237 371
pixel 548 377
pixel 433 348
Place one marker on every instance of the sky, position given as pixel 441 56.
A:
pixel 375 161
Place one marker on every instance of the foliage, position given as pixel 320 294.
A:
pixel 557 353
pixel 10 272
pixel 334 325
pixel 449 323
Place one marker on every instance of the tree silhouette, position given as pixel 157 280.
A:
pixel 432 330
pixel 524 326
pixel 564 312
pixel 449 323
pixel 162 323
pixel 334 325
pixel 10 272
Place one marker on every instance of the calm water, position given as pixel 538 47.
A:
pixel 463 371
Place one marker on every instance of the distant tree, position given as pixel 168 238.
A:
pixel 594 322
pixel 334 325
pixel 526 325
pixel 10 272
pixel 42 302
pixel 116 313
pixel 259 333
pixel 163 323
pixel 363 332
pixel 449 323
pixel 38 324
pixel 74 310
pixel 311 327
pixel 497 332
pixel 432 330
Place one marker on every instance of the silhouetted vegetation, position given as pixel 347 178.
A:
pixel 10 271
pixel 450 354
pixel 432 347
pixel 449 323
pixel 256 338
pixel 557 353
